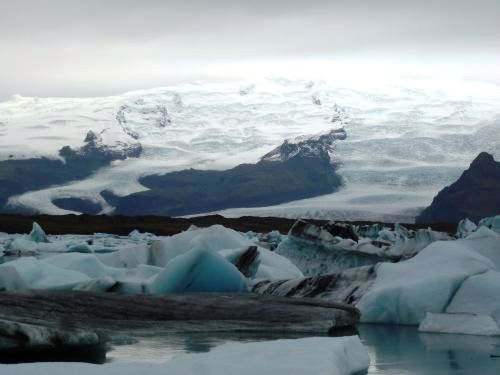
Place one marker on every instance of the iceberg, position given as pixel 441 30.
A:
pixel 22 246
pixel 335 247
pixel 465 227
pixel 492 223
pixel 31 273
pixel 466 324
pixel 37 234
pixel 228 243
pixel 199 271
pixel 86 264
pixel 404 292
pixel 479 294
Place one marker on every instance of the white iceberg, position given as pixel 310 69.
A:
pixel 32 273
pixel 492 223
pixel 479 294
pixel 86 264
pixel 465 227
pixel 23 246
pixel 404 292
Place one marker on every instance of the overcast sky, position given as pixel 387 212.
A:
pixel 99 47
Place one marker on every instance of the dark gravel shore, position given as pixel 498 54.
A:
pixel 123 225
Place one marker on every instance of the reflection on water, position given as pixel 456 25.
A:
pixel 400 350
pixel 164 348
pixel 394 350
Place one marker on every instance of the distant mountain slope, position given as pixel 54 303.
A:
pixel 295 170
pixel 476 194
pixel 19 176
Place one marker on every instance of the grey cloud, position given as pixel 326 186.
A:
pixel 88 47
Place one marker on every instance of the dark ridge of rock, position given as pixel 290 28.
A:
pixel 18 176
pixel 165 226
pixel 108 313
pixel 84 206
pixel 475 195
pixel 319 146
pixel 290 172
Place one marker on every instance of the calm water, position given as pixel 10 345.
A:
pixel 393 350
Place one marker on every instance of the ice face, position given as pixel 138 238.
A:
pixel 478 295
pixel 199 271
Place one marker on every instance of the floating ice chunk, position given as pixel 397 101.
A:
pixel 466 324
pixel 86 264
pixel 270 266
pixel 274 267
pixel 10 280
pixel 213 238
pixel 486 242
pixel 465 227
pixel 37 274
pixel 23 246
pixel 129 256
pixel 404 292
pixel 491 222
pixel 138 236
pixel 228 243
pixel 135 281
pixel 82 247
pixel 37 234
pixel 199 271
pixel 480 295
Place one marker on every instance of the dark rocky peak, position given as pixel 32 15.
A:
pixel 476 194
pixel 318 146
pixel 94 147
pixel 92 137
pixel 484 161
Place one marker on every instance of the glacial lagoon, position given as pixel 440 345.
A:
pixel 394 350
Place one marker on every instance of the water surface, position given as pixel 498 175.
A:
pixel 394 350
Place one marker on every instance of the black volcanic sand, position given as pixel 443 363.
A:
pixel 163 226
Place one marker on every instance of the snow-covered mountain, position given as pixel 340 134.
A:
pixel 404 142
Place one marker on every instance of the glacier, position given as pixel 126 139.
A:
pixel 405 140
